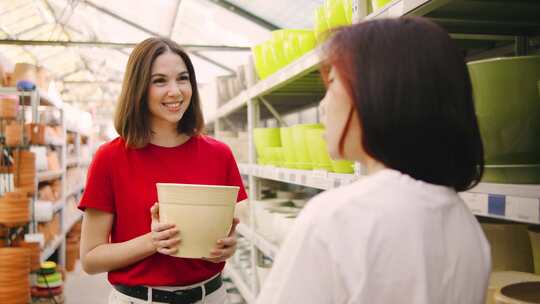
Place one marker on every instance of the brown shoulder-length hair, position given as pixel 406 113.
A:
pixel 132 118
pixel 413 97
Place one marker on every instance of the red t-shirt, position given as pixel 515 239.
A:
pixel 123 181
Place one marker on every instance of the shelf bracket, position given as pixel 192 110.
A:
pixel 273 111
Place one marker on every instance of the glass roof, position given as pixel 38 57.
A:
pixel 89 76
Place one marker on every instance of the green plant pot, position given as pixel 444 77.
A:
pixel 320 25
pixel 348 11
pixel 300 146
pixel 288 148
pixel 297 43
pixel 318 151
pixel 274 155
pixel 49 280
pixel 343 166
pixel 278 51
pixel 507 102
pixel 259 60
pixel 378 4
pixel 263 138
pixel 335 12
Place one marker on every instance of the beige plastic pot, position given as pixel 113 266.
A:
pixel 202 213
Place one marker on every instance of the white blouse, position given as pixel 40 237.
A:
pixel 386 238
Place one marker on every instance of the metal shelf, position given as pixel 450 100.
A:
pixel 71 221
pixel 472 22
pixel 239 282
pixel 519 203
pixel 507 207
pixel 59 205
pixel 261 243
pixel 309 178
pixel 75 191
pixel 72 161
pixel 49 175
pixel 49 250
pixel 44 99
pixel 502 17
pixel 289 89
pixel 53 246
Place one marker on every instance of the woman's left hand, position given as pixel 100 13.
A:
pixel 225 248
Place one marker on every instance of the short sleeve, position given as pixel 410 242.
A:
pixel 98 192
pixel 234 178
pixel 303 271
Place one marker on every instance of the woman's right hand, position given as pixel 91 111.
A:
pixel 165 237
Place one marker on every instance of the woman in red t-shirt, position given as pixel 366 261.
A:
pixel 159 120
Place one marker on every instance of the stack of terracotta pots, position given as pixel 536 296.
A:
pixel 34 251
pixel 14 210
pixel 72 246
pixel 8 107
pixel 14 278
pixel 3 233
pixel 14 134
pixel 25 161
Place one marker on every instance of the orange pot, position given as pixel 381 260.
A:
pixel 23 71
pixel 8 108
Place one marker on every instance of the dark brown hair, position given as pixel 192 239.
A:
pixel 413 97
pixel 132 118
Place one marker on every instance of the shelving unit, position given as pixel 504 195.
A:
pixel 260 242
pixel 59 240
pixel 37 101
pixel 49 175
pixel 239 282
pixel 484 27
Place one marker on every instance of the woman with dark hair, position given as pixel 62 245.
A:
pixel 399 101
pixel 160 121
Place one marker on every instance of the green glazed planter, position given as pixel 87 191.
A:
pixel 507 102
pixel 263 138
pixel 303 160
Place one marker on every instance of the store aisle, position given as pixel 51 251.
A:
pixel 81 288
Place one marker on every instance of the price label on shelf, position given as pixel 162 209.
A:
pixel 303 179
pixel 292 177
pixel 477 202
pixel 523 208
pixel 319 182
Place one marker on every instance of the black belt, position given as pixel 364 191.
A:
pixel 182 296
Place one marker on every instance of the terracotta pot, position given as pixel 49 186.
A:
pixel 8 108
pixel 53 161
pixel 43 79
pixel 14 134
pixel 2 76
pixel 14 210
pixel 23 71
pixel 72 251
pixel 35 252
pixel 37 133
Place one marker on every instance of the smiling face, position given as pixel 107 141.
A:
pixel 169 91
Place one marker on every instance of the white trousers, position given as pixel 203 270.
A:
pixel 217 297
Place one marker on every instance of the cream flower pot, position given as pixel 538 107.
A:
pixel 202 213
